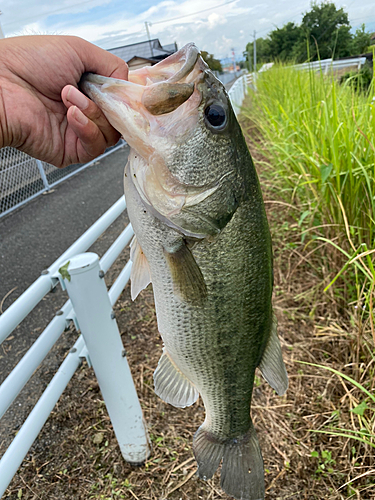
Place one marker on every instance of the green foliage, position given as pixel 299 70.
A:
pixel 327 30
pixel 325 462
pixel 359 80
pixel 361 41
pixel 282 42
pixel 363 427
pixel 213 63
pixel 323 33
pixel 320 137
pixel 263 52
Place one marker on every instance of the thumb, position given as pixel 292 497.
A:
pixel 97 60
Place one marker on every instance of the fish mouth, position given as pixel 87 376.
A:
pixel 159 89
pixel 157 108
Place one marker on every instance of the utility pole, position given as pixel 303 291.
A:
pixel 148 36
pixel 249 60
pixel 255 51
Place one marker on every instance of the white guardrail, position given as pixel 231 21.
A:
pixel 90 308
pixel 238 91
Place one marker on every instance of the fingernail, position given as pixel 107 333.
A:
pixel 75 97
pixel 79 116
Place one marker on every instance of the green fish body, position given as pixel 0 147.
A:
pixel 202 239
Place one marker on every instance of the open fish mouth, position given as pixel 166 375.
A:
pixel 156 109
pixel 152 90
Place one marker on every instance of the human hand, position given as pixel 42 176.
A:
pixel 42 112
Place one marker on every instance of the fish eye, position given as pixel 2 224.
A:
pixel 216 116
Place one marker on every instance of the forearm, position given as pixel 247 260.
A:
pixel 3 127
pixel 12 106
pixel 4 56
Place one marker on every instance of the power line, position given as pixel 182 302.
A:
pixel 90 1
pixel 193 13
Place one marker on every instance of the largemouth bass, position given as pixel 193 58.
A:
pixel 202 239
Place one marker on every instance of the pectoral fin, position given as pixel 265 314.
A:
pixel 140 273
pixel 188 280
pixel 171 385
pixel 272 364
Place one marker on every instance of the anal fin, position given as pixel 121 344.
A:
pixel 140 275
pixel 272 365
pixel 171 385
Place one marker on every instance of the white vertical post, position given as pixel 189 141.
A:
pixel 88 294
pixel 42 174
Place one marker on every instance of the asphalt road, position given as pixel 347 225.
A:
pixel 31 239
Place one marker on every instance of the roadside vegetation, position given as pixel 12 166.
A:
pixel 315 144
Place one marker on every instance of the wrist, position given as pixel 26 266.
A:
pixel 4 129
pixel 5 58
pixel 3 125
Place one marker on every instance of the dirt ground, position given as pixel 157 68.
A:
pixel 77 456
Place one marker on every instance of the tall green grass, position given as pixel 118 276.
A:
pixel 320 138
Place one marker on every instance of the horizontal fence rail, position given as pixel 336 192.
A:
pixel 96 334
pixel 327 64
pixel 238 91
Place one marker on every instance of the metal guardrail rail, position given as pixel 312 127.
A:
pixel 238 91
pixel 90 307
pixel 326 64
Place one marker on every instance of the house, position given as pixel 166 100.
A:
pixel 147 53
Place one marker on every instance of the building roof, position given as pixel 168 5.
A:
pixel 151 50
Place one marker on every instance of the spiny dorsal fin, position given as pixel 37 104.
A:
pixel 171 385
pixel 140 273
pixel 272 364
pixel 188 280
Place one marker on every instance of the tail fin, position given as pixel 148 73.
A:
pixel 242 474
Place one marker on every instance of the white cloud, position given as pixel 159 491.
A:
pixel 215 19
pixel 109 23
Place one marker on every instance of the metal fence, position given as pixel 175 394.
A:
pixel 238 91
pixel 22 177
pixel 326 65
pixel 90 308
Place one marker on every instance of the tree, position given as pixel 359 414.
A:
pixel 263 52
pixel 213 63
pixel 326 30
pixel 361 40
pixel 282 41
pixel 324 33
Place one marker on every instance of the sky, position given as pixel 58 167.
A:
pixel 217 26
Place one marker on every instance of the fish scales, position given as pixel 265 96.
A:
pixel 200 340
pixel 202 239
